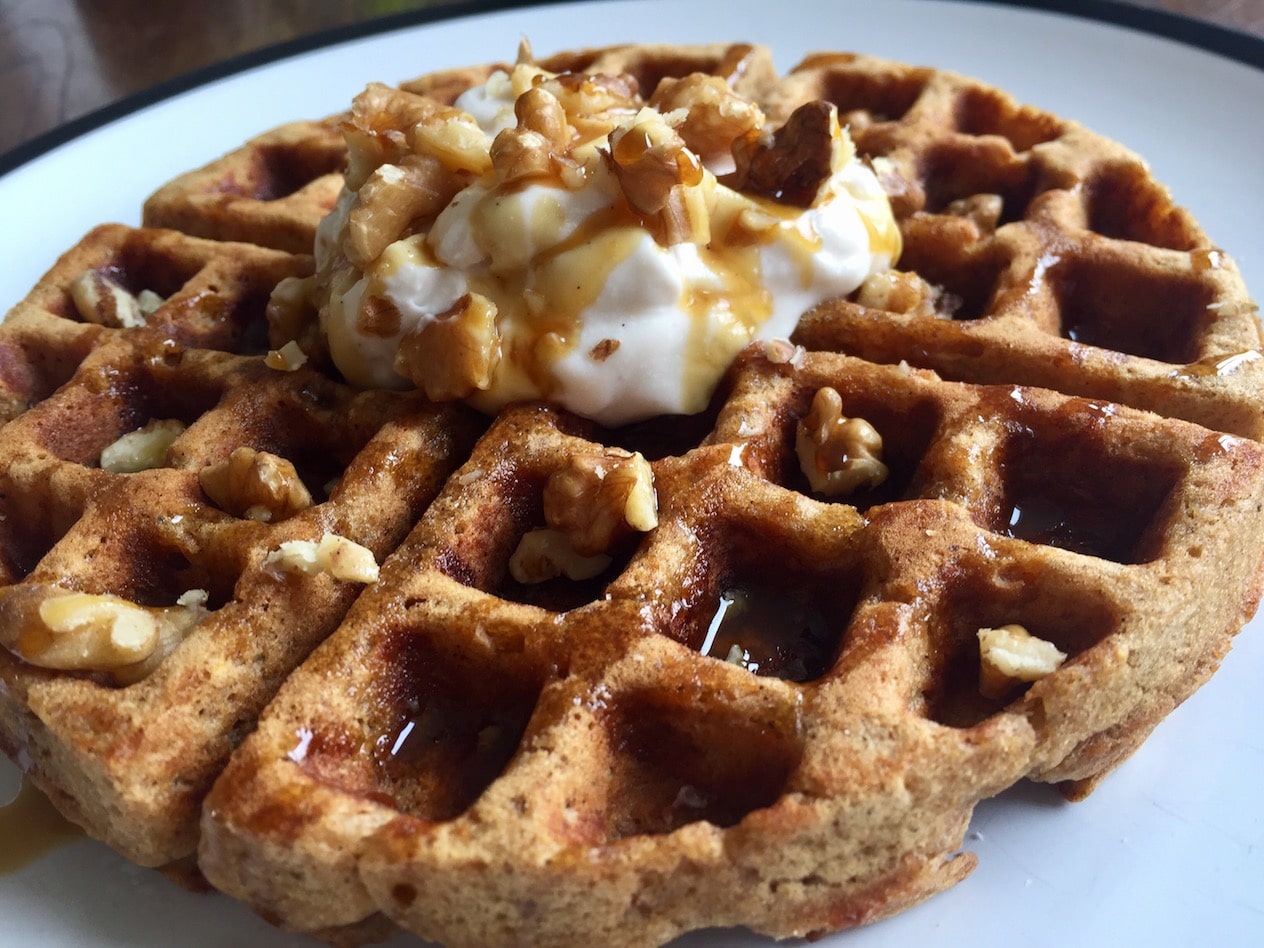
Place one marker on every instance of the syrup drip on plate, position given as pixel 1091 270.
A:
pixel 30 827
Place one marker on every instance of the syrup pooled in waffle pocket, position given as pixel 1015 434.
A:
pixel 478 542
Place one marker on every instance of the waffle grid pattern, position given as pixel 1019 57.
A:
pixel 581 757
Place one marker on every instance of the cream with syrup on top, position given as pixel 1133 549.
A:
pixel 619 276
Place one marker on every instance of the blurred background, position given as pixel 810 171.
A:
pixel 61 59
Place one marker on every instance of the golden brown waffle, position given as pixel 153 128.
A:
pixel 131 764
pixel 588 770
pixel 483 760
pixel 271 191
pixel 1062 262
pixel 275 189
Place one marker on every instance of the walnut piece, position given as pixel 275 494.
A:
pixel 783 352
pixel 542 555
pixel 376 130
pixel 906 293
pixel 393 199
pixel 453 138
pixel 837 454
pixel 256 485
pixel 712 117
pixel 455 354
pixel 93 632
pixel 144 449
pixel 292 314
pixel 798 161
pixel 598 498
pixel 342 559
pixel 539 145
pixel 101 300
pixel 662 180
pixel 289 358
pixel 983 210
pixel 519 154
pixel 592 102
pixel 1010 656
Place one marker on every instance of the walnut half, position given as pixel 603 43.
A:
pixel 95 632
pixel 838 455
pixel 601 497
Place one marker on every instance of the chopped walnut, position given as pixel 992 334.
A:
pixel 519 154
pixel 144 449
pixel 455 139
pixel 714 116
pixel 95 632
pixel 392 199
pixel 542 555
pixel 906 293
pixel 540 111
pixel 837 454
pixel 1010 656
pixel 661 179
pixel 783 352
pixel 984 210
pixel 539 145
pixel 802 154
pixel 256 485
pixel 376 130
pixel 289 358
pixel 455 354
pixel 341 558
pixel 99 299
pixel 89 632
pixel 599 498
pixel 590 100
pixel 604 350
pixel 292 314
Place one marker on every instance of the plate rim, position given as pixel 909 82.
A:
pixel 1222 41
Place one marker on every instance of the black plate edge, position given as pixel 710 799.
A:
pixel 1223 41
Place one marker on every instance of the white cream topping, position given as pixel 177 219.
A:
pixel 594 310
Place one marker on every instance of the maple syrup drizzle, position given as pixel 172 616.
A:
pixel 30 827
pixel 769 631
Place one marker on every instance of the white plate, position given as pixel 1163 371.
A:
pixel 1170 850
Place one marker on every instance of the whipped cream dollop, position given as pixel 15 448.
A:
pixel 559 237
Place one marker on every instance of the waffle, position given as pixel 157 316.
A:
pixel 768 710
pixel 133 763
pixel 272 191
pixel 276 188
pixel 1062 262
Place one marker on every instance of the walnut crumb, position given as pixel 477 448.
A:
pixel 603 350
pixel 1010 656
pixel 144 449
pixel 341 558
pixel 288 358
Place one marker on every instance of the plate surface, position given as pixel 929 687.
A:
pixel 1170 849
